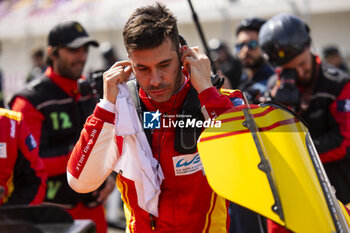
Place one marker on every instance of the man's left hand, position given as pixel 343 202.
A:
pixel 197 64
pixel 107 189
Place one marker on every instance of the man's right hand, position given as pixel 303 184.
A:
pixel 118 73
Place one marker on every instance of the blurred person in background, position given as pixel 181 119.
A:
pixel 39 65
pixel 316 90
pixel 108 54
pixel 332 55
pixel 253 82
pixel 257 71
pixel 228 65
pixel 22 174
pixel 55 111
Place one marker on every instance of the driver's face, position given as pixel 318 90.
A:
pixel 158 70
pixel 303 65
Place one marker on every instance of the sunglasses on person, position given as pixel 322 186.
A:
pixel 253 44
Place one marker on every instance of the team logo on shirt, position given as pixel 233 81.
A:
pixel 187 164
pixel 30 142
pixel 3 150
pixel 343 105
pixel 151 120
pixel 13 129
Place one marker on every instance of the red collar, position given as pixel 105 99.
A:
pixel 69 86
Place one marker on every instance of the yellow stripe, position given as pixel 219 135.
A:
pixel 10 188
pixel 10 114
pixel 128 212
pixel 219 216
pixel 209 211
pixel 228 91
pixel 216 216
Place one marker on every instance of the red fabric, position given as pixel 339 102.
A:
pixel 34 119
pixel 104 115
pixel 31 116
pixel 175 207
pixel 273 227
pixel 343 119
pixel 96 214
pixel 181 195
pixel 58 165
pixel 347 210
pixel 32 175
pixel 70 86
pixel 87 141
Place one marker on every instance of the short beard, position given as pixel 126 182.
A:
pixel 305 82
pixel 67 74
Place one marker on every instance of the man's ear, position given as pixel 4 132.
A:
pixel 52 51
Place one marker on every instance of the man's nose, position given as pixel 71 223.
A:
pixel 155 78
pixel 301 72
pixel 82 54
pixel 244 49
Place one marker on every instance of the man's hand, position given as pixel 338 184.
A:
pixel 118 73
pixel 107 189
pixel 197 65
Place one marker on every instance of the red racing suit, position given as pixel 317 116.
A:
pixel 22 174
pixel 55 112
pixel 186 203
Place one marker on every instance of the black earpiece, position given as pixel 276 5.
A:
pixel 182 40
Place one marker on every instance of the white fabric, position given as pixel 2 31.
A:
pixel 101 160
pixel 136 162
pixel 106 105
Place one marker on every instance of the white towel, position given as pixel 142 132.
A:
pixel 136 161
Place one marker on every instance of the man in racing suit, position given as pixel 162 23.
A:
pixel 56 111
pixel 318 91
pixel 22 175
pixel 186 201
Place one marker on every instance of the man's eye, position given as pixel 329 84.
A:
pixel 164 65
pixel 142 69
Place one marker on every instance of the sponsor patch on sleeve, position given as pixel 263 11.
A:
pixel 3 150
pixel 187 164
pixel 343 105
pixel 30 142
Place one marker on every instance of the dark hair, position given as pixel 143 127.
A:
pixel 250 24
pixel 148 27
pixel 48 59
pixel 330 51
pixel 38 53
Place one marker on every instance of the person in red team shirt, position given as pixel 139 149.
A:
pixel 22 175
pixel 186 202
pixel 55 111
